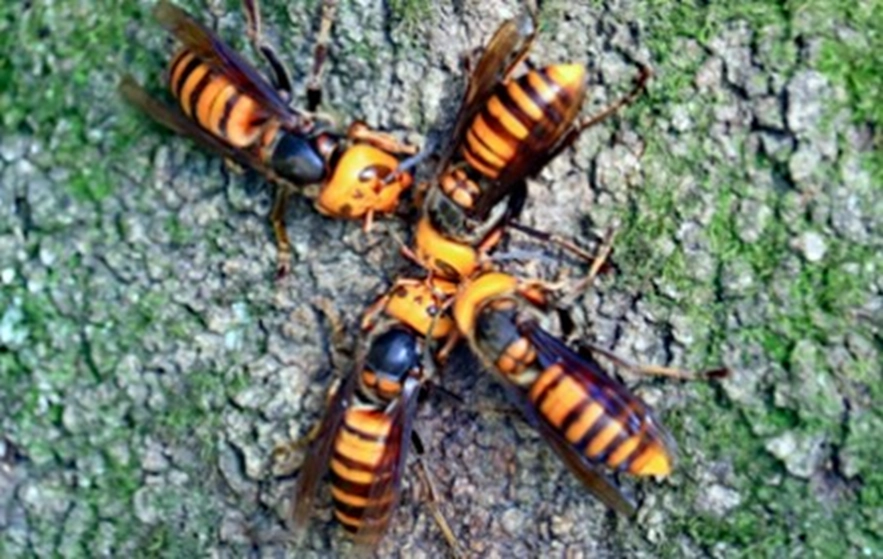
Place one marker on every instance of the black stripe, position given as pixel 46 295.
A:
pixel 632 420
pixel 613 405
pixel 549 111
pixel 357 511
pixel 514 109
pixel 538 401
pixel 352 529
pixel 635 423
pixel 497 127
pixel 574 414
pixel 350 487
pixel 593 432
pixel 350 428
pixel 478 156
pixel 197 93
pixel 353 511
pixel 639 450
pixel 228 108
pixel 176 63
pixel 352 463
pixel 620 438
pixel 189 69
pixel 361 490
pixel 447 270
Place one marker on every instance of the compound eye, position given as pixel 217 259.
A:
pixel 372 173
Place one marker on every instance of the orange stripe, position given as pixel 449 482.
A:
pixel 547 377
pixel 371 423
pixel 219 107
pixel 654 461
pixel 584 422
pixel 524 101
pixel 366 452
pixel 623 451
pixel 350 474
pixel 207 100
pixel 191 81
pixel 349 522
pixel 480 166
pixel 599 443
pixel 562 399
pixel 483 151
pixel 500 146
pixel 511 123
pixel 240 130
pixel 348 498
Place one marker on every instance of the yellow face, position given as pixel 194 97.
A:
pixel 356 186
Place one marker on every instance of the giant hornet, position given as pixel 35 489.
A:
pixel 364 435
pixel 228 107
pixel 587 417
pixel 507 129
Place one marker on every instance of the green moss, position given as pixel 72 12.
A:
pixel 644 223
pixel 190 407
pixel 410 12
pixel 178 233
pixel 74 61
pixel 91 184
pixel 779 514
pixel 74 54
pixel 854 64
pixel 165 541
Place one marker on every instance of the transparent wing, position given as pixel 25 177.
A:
pixel 316 463
pixel 504 51
pixel 384 494
pixel 533 153
pixel 599 484
pixel 176 121
pixel 615 398
pixel 209 48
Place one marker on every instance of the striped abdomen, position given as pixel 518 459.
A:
pixel 527 109
pixel 210 99
pixel 598 418
pixel 360 455
pixel 608 432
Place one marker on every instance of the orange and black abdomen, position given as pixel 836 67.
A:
pixel 210 99
pixel 524 110
pixel 361 454
pixel 604 430
pixel 598 418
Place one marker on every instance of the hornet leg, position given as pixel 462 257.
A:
pixel 320 53
pixel 433 498
pixel 281 77
pixel 277 219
